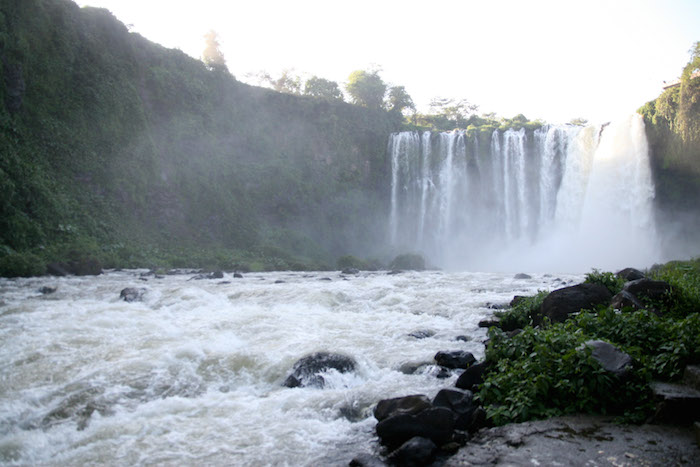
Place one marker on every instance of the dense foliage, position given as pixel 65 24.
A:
pixel 142 156
pixel 547 371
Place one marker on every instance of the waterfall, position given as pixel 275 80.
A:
pixel 559 198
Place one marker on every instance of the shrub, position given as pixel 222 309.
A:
pixel 21 265
pixel 522 313
pixel 607 279
pixel 350 261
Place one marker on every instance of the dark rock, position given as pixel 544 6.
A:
pixel 558 305
pixel 416 452
pixel 496 306
pixel 455 359
pixel 472 376
pixel 350 271
pixel 462 338
pixel 326 279
pixel 676 404
pixel 132 294
pixel 237 275
pixel 393 272
pixel 610 357
pixel 366 460
pixel 459 402
pixel 630 274
pixel 307 370
pixel 490 322
pixel 625 299
pixel 435 423
pixel 407 405
pixel 422 334
pixel 85 267
pixel 46 290
pixel 216 275
pixel 691 376
pixel 516 299
pixel 521 275
pixel 279 281
pixel 657 291
pixel 478 420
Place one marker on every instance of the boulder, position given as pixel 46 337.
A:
pixel 46 290
pixel 307 371
pixel 558 305
pixel 366 460
pixel 416 452
pixel 461 403
pixel 472 376
pixel 350 271
pixel 522 275
pixel 407 405
pixel 630 274
pixel 80 267
pixel 516 299
pixel 625 299
pixel 132 294
pixel 490 322
pixel 237 275
pixel 676 403
pixel 657 291
pixel 435 423
pixel 422 333
pixel 610 357
pixel 213 275
pixel 57 269
pixel 455 359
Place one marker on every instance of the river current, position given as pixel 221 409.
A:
pixel 193 372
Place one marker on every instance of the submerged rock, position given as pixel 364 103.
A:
pixel 307 371
pixel 558 305
pixel 132 294
pixel 422 334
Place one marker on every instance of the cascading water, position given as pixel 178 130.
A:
pixel 564 198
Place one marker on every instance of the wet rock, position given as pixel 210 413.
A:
pixel 558 305
pixel 279 281
pixel 416 452
pixel 472 376
pixel 516 299
pixel 46 290
pixel 307 371
pixel 610 357
pixel 237 275
pixel 132 294
pixel 625 299
pixel 490 322
pixel 328 279
pixel 496 306
pixel 455 359
pixel 647 289
pixel 57 269
pixel 578 441
pixel 436 424
pixel 350 271
pixel 80 267
pixel 422 334
pixel 630 274
pixel 462 338
pixel 461 403
pixel 522 275
pixel 366 460
pixel 213 275
pixel 406 405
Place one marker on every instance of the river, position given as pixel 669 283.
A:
pixel 193 372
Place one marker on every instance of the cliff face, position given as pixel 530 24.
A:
pixel 116 145
pixel 673 130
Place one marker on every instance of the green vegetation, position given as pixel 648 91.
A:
pixel 607 279
pixel 366 88
pixel 673 129
pixel 116 147
pixel 546 371
pixel 522 313
pixel 410 261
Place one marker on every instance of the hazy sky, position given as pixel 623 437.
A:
pixel 554 60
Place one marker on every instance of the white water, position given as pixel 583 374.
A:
pixel 192 375
pixel 563 198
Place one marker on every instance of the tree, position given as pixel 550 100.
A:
pixel 287 82
pixel 322 88
pixel 578 122
pixel 366 88
pixel 399 99
pixel 212 56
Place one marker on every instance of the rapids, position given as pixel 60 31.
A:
pixel 193 373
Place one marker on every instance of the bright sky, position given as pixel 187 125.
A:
pixel 549 59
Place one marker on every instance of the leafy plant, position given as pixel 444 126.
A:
pixel 607 279
pixel 522 313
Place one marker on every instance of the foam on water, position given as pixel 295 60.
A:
pixel 193 373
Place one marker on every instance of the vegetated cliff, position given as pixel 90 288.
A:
pixel 115 147
pixel 673 130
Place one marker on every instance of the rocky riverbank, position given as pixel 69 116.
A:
pixel 607 379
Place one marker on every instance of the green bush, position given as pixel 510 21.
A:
pixel 607 279
pixel 350 261
pixel 523 313
pixel 21 265
pixel 684 277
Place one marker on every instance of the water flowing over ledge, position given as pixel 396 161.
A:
pixel 560 198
